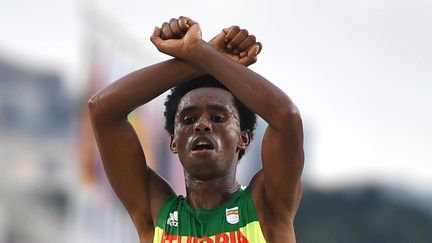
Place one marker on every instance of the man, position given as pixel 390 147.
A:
pixel 208 135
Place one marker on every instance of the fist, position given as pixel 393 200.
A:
pixel 175 29
pixel 237 44
pixel 177 37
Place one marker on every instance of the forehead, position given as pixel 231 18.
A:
pixel 208 96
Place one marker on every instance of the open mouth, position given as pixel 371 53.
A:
pixel 202 143
pixel 202 147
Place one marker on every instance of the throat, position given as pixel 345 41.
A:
pixel 210 194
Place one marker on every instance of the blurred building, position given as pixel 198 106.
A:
pixel 53 188
pixel 35 121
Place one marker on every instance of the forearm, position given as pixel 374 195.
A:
pixel 256 92
pixel 137 88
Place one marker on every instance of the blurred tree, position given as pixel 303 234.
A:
pixel 360 216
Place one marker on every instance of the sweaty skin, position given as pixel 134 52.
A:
pixel 213 117
pixel 210 174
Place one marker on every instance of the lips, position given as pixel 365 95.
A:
pixel 201 143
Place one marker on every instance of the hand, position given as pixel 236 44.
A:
pixel 177 37
pixel 175 29
pixel 238 45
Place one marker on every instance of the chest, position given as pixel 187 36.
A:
pixel 229 224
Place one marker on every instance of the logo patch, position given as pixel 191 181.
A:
pixel 173 219
pixel 232 215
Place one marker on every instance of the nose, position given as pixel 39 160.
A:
pixel 202 125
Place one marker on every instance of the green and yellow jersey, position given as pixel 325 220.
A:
pixel 235 221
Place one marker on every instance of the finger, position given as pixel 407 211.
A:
pixel 191 22
pixel 246 43
pixel 155 38
pixel 182 23
pixel 251 56
pixel 260 47
pixel 253 52
pixel 238 38
pixel 166 31
pixel 194 29
pixel 175 29
pixel 231 33
pixel 225 30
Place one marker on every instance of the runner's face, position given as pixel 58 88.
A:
pixel 207 134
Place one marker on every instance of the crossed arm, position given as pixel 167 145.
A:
pixel 225 57
pixel 282 147
pixel 139 188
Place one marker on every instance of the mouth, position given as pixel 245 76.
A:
pixel 202 144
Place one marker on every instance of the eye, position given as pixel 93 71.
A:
pixel 188 120
pixel 218 119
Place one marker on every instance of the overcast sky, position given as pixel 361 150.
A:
pixel 360 71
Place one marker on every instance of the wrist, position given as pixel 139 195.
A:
pixel 196 50
pixel 201 53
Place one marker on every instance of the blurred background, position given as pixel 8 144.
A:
pixel 360 72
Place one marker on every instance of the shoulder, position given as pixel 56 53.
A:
pixel 164 218
pixel 173 203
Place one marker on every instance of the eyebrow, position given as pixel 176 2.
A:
pixel 189 109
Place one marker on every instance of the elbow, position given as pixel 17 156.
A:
pixel 290 112
pixel 102 109
pixel 93 106
pixel 288 116
pixel 295 115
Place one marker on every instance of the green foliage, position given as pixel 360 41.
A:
pixel 360 216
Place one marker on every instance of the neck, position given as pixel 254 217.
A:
pixel 207 194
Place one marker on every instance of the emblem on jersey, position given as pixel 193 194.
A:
pixel 232 215
pixel 173 219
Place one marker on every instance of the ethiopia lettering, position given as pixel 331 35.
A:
pixel 226 237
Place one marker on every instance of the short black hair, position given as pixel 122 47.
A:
pixel 247 117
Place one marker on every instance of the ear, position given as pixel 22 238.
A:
pixel 173 145
pixel 244 139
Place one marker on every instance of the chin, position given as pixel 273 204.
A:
pixel 202 176
pixel 203 169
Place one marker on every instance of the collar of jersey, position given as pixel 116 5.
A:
pixel 223 206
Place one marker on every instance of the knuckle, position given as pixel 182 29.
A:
pixel 232 44
pixel 235 27
pixel 183 23
pixel 166 34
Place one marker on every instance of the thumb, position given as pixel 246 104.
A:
pixel 155 37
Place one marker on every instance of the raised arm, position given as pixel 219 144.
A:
pixel 140 189
pixel 282 149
